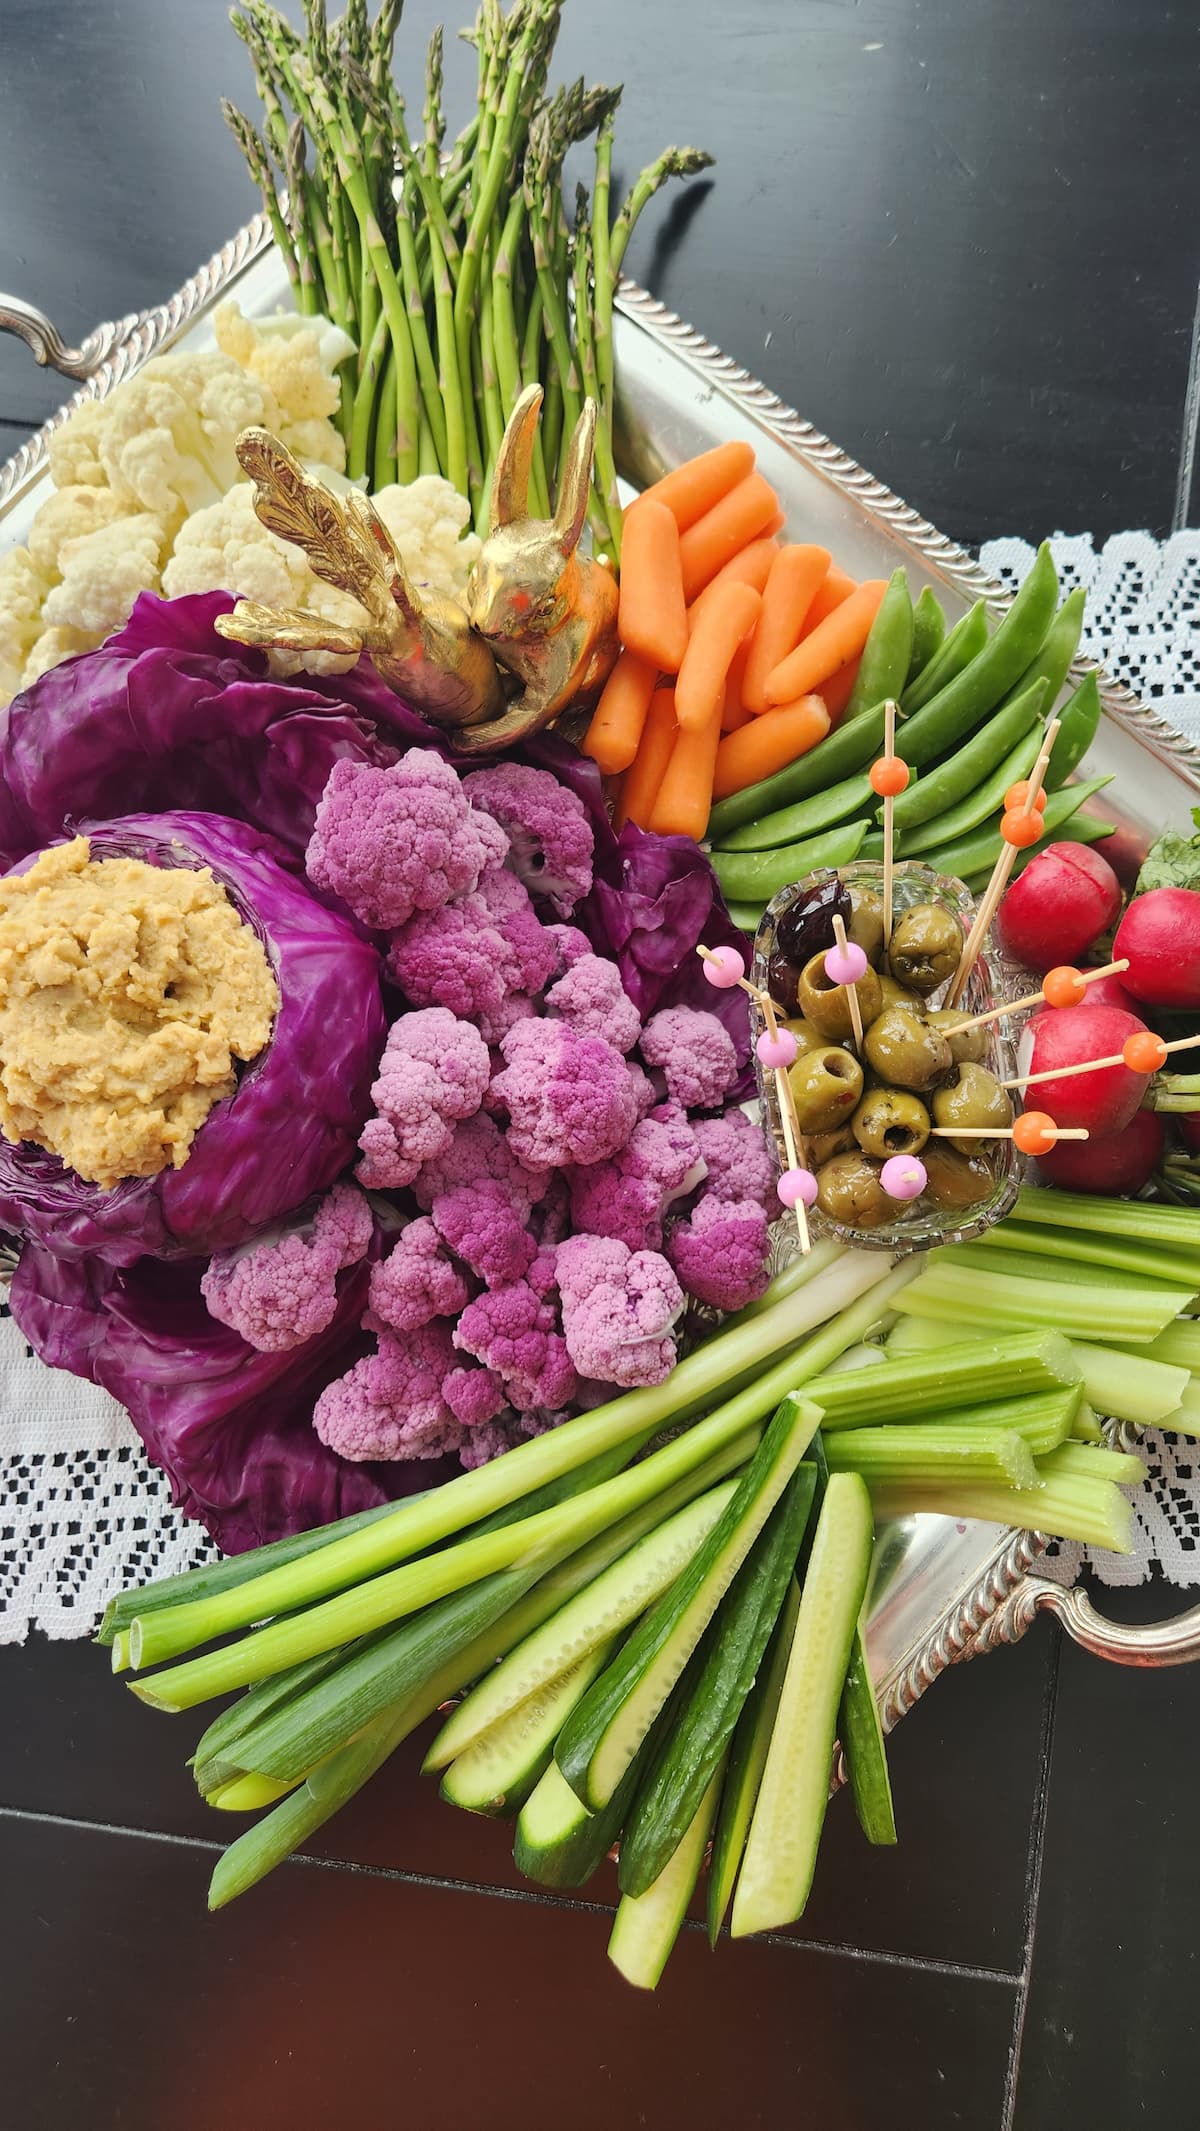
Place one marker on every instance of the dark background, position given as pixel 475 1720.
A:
pixel 961 236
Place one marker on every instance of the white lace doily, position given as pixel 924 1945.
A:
pixel 82 1510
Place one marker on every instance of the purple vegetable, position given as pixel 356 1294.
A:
pixel 291 1125
pixel 806 926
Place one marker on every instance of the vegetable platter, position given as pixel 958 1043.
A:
pixel 941 1589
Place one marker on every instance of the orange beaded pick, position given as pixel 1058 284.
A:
pixel 1142 1053
pixel 1017 796
pixel 1034 1132
pixel 889 776
pixel 1145 1052
pixel 1022 830
pixel 1063 986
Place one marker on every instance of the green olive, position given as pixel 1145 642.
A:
pixel 896 995
pixel 926 946
pixel 849 1190
pixel 956 1181
pixel 825 1145
pixel 827 1006
pixel 890 1121
pixel 826 1086
pixel 807 1037
pixel 971 1047
pixel 905 1052
pixel 866 922
pixel 973 1097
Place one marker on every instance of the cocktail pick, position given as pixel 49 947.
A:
pixel 903 1176
pixel 889 777
pixel 1033 1132
pixel 846 964
pixel 777 1049
pixel 725 970
pixel 1063 986
pixel 1143 1052
pixel 1020 827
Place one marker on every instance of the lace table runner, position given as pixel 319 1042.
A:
pixel 82 1510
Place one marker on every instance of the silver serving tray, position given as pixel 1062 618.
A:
pixel 942 1590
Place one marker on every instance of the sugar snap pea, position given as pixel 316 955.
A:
pixel 987 798
pixel 836 757
pixel 1061 642
pixel 883 668
pixel 929 631
pixel 963 704
pixel 964 643
pixel 746 915
pixel 751 876
pixel 1080 829
pixel 1080 717
pixel 978 853
pixel 944 786
pixel 787 825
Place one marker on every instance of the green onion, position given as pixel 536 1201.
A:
pixel 929 1383
pixel 938 1452
pixel 946 1291
pixel 1092 1511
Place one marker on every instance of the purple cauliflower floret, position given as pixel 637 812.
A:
pixel 416 1282
pixel 485 1226
pixel 646 1096
pixel 694 1052
pixel 433 1073
pixel 485 1441
pixel 569 1098
pixel 515 1331
pixel 618 1310
pixel 478 955
pixel 391 1404
pixel 478 1149
pixel 737 1160
pixel 572 945
pixel 393 841
pixel 592 1000
pixel 550 839
pixel 474 1396
pixel 722 1255
pixel 627 1196
pixel 281 1291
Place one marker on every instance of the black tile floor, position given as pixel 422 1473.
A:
pixel 961 238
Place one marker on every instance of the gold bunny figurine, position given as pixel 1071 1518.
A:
pixel 549 617
pixel 421 643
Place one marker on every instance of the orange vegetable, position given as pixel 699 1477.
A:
pixel 639 785
pixel 768 744
pixel 839 637
pixel 684 799
pixel 777 523
pixel 694 487
pixel 612 737
pixel 652 619
pixel 836 692
pixel 837 586
pixel 796 575
pixel 738 518
pixel 750 566
pixel 700 690
pixel 735 712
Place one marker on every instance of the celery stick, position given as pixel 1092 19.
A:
pixel 1085 1428
pixel 1034 1264
pixel 1176 1227
pixel 1179 1346
pixel 1088 1461
pixel 1185 1420
pixel 961 1295
pixel 1092 1511
pixel 1171 1268
pixel 914 1387
pixel 938 1452
pixel 415 1584
pixel 1127 1386
pixel 923 1335
pixel 721 1364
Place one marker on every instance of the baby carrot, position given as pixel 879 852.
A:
pixel 700 689
pixel 835 693
pixel 652 619
pixel 839 637
pixel 639 785
pixel 684 799
pixel 835 588
pixel 735 712
pixel 612 737
pixel 768 744
pixel 694 487
pixel 796 575
pixel 777 523
pixel 750 566
pixel 738 517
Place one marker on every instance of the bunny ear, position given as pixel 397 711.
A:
pixel 576 480
pixel 510 481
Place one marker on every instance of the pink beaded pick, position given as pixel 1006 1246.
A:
pixel 903 1177
pixel 777 1049
pixel 797 1187
pixel 846 965
pixel 724 968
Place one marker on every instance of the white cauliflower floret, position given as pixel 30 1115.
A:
pixel 102 574
pixel 296 357
pixel 224 549
pixel 168 446
pixel 318 445
pixel 22 591
pixel 74 449
pixel 70 514
pixel 51 648
pixel 426 520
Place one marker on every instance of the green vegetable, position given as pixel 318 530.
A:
pixel 944 786
pixel 746 875
pixel 977 854
pixel 861 1729
pixel 602 1735
pixel 1079 720
pixel 1151 1261
pixel 747 1759
pixel 883 668
pixel 720 1680
pixel 1061 641
pixel 965 701
pixel 496 1775
pixel 1086 1460
pixel 785 825
pixel 1139 1221
pixel 946 1290
pixel 1140 1387
pixel 919 1385
pixel 986 801
pixel 1172 862
pixel 1092 1511
pixel 647 1925
pixel 928 633
pixel 781 1851
pixel 1179 1346
pixel 936 1452
pixel 747 916
pixel 838 755
pixel 558 1842
pixel 964 643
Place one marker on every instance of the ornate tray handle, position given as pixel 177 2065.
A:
pixel 47 345
pixel 1163 1642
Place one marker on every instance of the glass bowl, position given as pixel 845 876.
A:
pixel 918 1223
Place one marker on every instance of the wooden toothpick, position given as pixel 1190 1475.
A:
pixel 973 946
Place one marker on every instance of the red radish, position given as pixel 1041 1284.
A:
pixel 1124 851
pixel 1109 991
pixel 1121 1162
pixel 1065 898
pixel 1188 1123
pixel 1070 1035
pixel 1160 933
